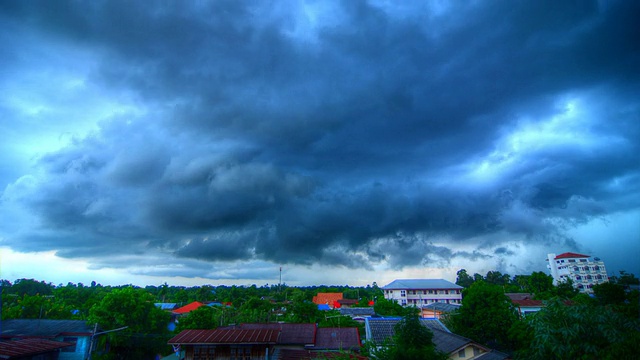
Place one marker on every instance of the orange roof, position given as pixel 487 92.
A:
pixel 188 308
pixel 571 255
pixel 327 298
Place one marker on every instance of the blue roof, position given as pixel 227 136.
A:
pixel 324 307
pixel 404 284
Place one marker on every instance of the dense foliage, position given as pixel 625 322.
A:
pixel 571 325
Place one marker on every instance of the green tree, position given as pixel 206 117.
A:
pixel 581 331
pixel 204 317
pixel 146 326
pixel 411 341
pixel 486 316
pixel 464 279
pixel 384 307
pixel 539 283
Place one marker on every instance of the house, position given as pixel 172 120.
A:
pixel 583 270
pixel 32 348
pixel 187 308
pixel 528 306
pixel 330 299
pixel 347 302
pixel 166 306
pixel 265 341
pixel 357 313
pixel 456 346
pixel 419 292
pixel 75 332
pixel 438 310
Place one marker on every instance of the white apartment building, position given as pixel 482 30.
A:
pixel 583 270
pixel 419 292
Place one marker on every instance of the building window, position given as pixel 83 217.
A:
pixel 583 260
pixel 572 260
pixel 461 354
pixel 403 293
pixel 578 277
pixel 72 348
pixel 596 268
pixel 243 353
pixel 424 292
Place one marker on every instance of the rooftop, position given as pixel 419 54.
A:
pixel 571 255
pixel 421 284
pixel 337 339
pixel 327 298
pixel 44 328
pixel 226 336
pixel 188 308
pixel 20 349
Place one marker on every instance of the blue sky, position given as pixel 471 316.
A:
pixel 349 142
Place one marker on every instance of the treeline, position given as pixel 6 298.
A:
pixel 569 325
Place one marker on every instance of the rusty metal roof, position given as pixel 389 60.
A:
pixel 27 347
pixel 290 334
pixel 227 336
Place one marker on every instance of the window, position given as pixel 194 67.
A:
pixel 461 354
pixel 596 268
pixel 403 293
pixel 476 351
pixel 583 260
pixel 424 292
pixel 572 260
pixel 242 353
pixel 430 291
pixel 73 340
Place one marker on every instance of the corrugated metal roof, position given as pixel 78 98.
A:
pixel 27 347
pixel 528 302
pixel 44 328
pixel 290 334
pixel 337 339
pixel 442 307
pixel 166 306
pixel 226 336
pixel 421 284
pixel 357 311
pixel 379 329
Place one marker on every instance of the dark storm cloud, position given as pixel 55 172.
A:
pixel 371 137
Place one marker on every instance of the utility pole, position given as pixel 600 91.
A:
pixel 100 333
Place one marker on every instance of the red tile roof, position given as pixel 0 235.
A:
pixel 327 298
pixel 226 336
pixel 571 255
pixel 29 347
pixel 188 308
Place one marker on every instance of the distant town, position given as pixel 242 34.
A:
pixel 491 316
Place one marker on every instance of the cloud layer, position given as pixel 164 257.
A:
pixel 349 134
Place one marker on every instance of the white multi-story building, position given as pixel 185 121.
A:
pixel 583 270
pixel 418 292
